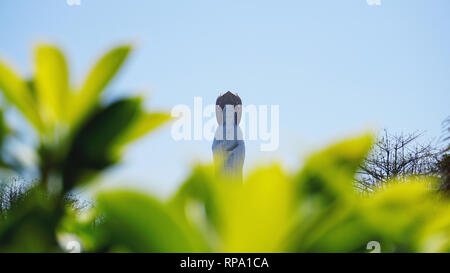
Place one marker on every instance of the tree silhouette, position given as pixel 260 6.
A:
pixel 397 156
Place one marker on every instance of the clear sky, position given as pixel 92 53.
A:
pixel 335 67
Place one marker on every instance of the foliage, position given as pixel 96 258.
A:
pixel 77 138
pixel 315 209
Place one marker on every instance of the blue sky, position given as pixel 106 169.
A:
pixel 335 67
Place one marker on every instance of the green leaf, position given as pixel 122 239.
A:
pixel 202 188
pixel 52 82
pixel 16 92
pixel 99 77
pixel 329 174
pixel 4 129
pixel 257 215
pixel 139 223
pixel 94 145
pixel 325 190
pixel 403 208
pixel 435 235
pixel 144 123
pixel 102 130
pixel 253 216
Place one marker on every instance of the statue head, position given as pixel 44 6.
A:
pixel 231 104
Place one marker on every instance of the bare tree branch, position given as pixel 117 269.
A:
pixel 397 156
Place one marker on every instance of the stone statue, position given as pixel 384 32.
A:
pixel 228 146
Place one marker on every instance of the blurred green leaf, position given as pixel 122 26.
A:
pixel 325 190
pixel 16 92
pixel 328 175
pixel 99 77
pixel 199 187
pixel 435 235
pixel 257 215
pixel 242 215
pixel 402 208
pixel 144 123
pixel 4 132
pixel 4 128
pixel 52 82
pixel 139 223
pixel 93 146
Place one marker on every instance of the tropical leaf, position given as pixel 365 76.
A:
pixel 435 234
pixel 4 128
pixel 52 82
pixel 403 208
pixel 329 174
pixel 17 93
pixel 139 223
pixel 197 200
pixel 93 147
pixel 241 215
pixel 257 215
pixel 325 190
pixel 144 123
pixel 98 78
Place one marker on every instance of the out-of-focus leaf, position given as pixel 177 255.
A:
pixel 435 235
pixel 144 123
pixel 93 148
pixel 139 223
pixel 197 201
pixel 99 77
pixel 4 129
pixel 250 217
pixel 16 92
pixel 399 210
pixel 348 234
pixel 107 125
pixel 325 189
pixel 329 174
pixel 257 215
pixel 52 82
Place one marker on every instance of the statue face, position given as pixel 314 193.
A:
pixel 228 98
pixel 228 105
